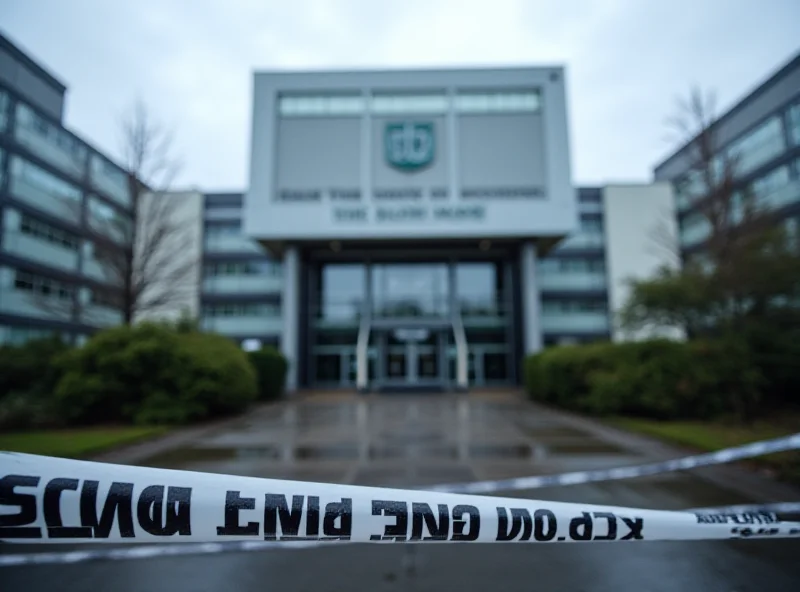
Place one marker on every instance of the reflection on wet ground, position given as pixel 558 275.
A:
pixel 365 438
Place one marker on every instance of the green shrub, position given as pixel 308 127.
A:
pixel 22 411
pixel 150 373
pixel 31 367
pixel 271 368
pixel 658 379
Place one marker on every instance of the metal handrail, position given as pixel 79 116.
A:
pixel 460 336
pixel 362 346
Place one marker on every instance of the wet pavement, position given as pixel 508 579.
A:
pixel 416 441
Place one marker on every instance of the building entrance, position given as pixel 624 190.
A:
pixel 412 358
pixel 386 325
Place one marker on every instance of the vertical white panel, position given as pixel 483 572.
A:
pixel 289 312
pixel 641 237
pixel 530 299
pixel 184 247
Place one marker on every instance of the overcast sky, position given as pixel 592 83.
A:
pixel 192 61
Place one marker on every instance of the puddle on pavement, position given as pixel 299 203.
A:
pixel 397 452
pixel 183 456
pixel 506 451
pixel 583 447
pixel 540 431
pixel 332 452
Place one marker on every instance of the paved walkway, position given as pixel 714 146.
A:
pixel 416 441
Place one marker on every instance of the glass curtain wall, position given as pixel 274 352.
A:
pixel 416 292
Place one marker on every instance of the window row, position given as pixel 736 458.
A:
pixel 238 268
pixel 572 265
pixel 233 228
pixel 21 335
pixel 572 306
pixel 43 286
pixel 758 146
pixel 42 230
pixel 106 298
pixel 241 309
pixel 745 154
pixel 38 178
pixel 109 220
pixel 385 104
pixel 591 226
pixel 794 124
pixel 3 111
pixel 55 135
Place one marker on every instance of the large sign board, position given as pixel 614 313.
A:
pixel 410 175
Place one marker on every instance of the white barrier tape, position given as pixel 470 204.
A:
pixel 188 549
pixel 46 500
pixel 689 462
pixel 774 508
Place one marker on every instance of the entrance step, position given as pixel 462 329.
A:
pixel 410 389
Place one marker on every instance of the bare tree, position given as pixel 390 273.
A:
pixel 142 256
pixel 733 216
pixel 150 271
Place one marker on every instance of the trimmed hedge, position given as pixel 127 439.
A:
pixel 658 379
pixel 150 373
pixel 271 369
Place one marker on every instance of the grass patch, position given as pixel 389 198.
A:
pixel 711 436
pixel 707 436
pixel 76 443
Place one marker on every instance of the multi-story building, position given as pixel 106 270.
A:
pixel 429 232
pixel 241 286
pixel 60 200
pixel 762 132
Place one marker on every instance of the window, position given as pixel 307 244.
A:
pixel 229 268
pixel 572 306
pixel 591 225
pixel 241 309
pixel 232 228
pixel 40 285
pixel 316 105
pixel 3 111
pixel 108 220
pixel 765 186
pixel 498 102
pixel 758 146
pixel 104 167
pixel 106 298
pixel 408 103
pixel 794 124
pixel 114 180
pixel 28 119
pixel 693 229
pixel 51 234
pixel 572 265
pixel 37 177
pixel 20 335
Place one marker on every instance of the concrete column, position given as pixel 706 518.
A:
pixel 289 313
pixel 531 306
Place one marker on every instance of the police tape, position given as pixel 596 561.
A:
pixel 577 477
pixel 48 500
pixel 776 508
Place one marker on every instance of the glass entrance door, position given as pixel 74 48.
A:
pixel 412 358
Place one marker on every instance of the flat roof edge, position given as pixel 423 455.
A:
pixel 25 58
